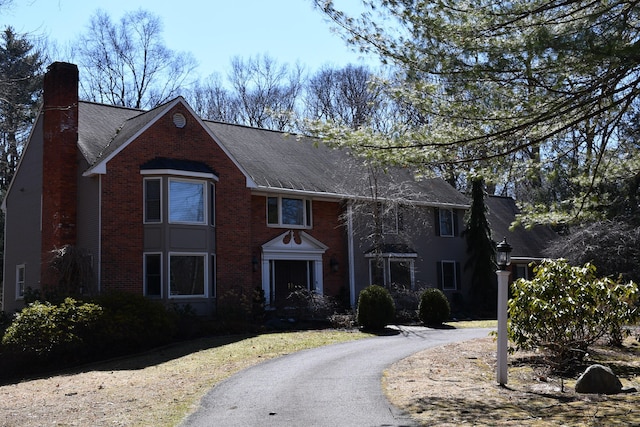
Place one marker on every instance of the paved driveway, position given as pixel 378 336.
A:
pixel 333 386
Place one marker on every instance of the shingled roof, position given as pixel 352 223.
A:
pixel 526 243
pixel 273 161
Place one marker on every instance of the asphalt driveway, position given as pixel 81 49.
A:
pixel 334 386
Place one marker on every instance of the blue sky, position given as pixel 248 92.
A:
pixel 214 31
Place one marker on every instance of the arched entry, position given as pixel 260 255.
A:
pixel 292 259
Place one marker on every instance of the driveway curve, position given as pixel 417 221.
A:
pixel 336 385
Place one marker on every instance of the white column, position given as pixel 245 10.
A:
pixel 503 295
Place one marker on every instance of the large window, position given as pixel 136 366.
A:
pixel 385 271
pixel 187 275
pixel 187 202
pixel 152 200
pixel 288 212
pixel 20 279
pixel 153 275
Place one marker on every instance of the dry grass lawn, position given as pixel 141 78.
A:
pixel 455 385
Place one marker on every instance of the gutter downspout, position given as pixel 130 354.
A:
pixel 351 254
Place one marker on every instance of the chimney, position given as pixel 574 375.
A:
pixel 59 158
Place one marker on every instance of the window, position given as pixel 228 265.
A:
pixel 391 219
pixel 20 278
pixel 186 202
pixel 449 275
pixel 153 275
pixel 287 212
pixel 385 271
pixel 187 275
pixel 152 200
pixel 446 223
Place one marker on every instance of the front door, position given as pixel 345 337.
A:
pixel 289 275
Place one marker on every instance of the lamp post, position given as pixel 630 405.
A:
pixel 503 259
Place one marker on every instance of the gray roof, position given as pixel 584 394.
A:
pixel 525 242
pixel 274 161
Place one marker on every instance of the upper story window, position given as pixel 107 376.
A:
pixel 152 200
pixel 187 202
pixel 446 222
pixel 391 219
pixel 288 212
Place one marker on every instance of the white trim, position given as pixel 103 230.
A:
pixel 307 212
pixel 203 255
pixel 453 225
pixel 178 172
pixel 22 267
pixel 387 259
pixel 351 254
pixel 99 273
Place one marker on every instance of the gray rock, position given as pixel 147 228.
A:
pixel 598 379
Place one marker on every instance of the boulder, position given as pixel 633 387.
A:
pixel 598 379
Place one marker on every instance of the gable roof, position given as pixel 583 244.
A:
pixel 527 243
pixel 272 161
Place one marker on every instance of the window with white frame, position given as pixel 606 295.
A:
pixel 449 275
pixel 187 201
pixel 288 212
pixel 387 270
pixel 152 200
pixel 187 275
pixel 153 274
pixel 20 280
pixel 391 219
pixel 446 222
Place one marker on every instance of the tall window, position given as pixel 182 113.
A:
pixel 152 200
pixel 187 275
pixel 288 211
pixel 391 219
pixel 153 275
pixel 20 278
pixel 187 202
pixel 446 222
pixel 449 275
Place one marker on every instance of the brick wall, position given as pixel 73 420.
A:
pixel 122 204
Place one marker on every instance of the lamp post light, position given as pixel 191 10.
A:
pixel 503 259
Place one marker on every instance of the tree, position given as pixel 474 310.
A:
pixel 511 90
pixel 126 63
pixel 21 74
pixel 267 92
pixel 481 252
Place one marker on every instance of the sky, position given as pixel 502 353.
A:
pixel 214 31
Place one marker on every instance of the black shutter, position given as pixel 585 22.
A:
pixel 458 277
pixel 439 274
pixel 455 223
pixel 436 221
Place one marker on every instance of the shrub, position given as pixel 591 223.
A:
pixel 46 330
pixel 406 301
pixel 434 307
pixel 132 322
pixel 375 307
pixel 310 305
pixel 565 309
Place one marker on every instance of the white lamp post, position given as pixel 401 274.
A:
pixel 503 255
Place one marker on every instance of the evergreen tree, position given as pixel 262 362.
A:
pixel 481 253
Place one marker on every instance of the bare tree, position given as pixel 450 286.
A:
pixel 126 63
pixel 267 93
pixel 212 101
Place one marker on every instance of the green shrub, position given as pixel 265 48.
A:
pixel 375 307
pixel 406 301
pixel 46 330
pixel 564 309
pixel 133 322
pixel 434 307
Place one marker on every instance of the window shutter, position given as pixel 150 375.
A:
pixel 439 274
pixel 436 221
pixel 458 277
pixel 455 222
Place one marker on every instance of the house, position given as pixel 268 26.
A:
pixel 528 244
pixel 188 211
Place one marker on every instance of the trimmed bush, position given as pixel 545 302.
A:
pixel 46 330
pixel 434 308
pixel 375 308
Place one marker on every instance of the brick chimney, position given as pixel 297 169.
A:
pixel 59 158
